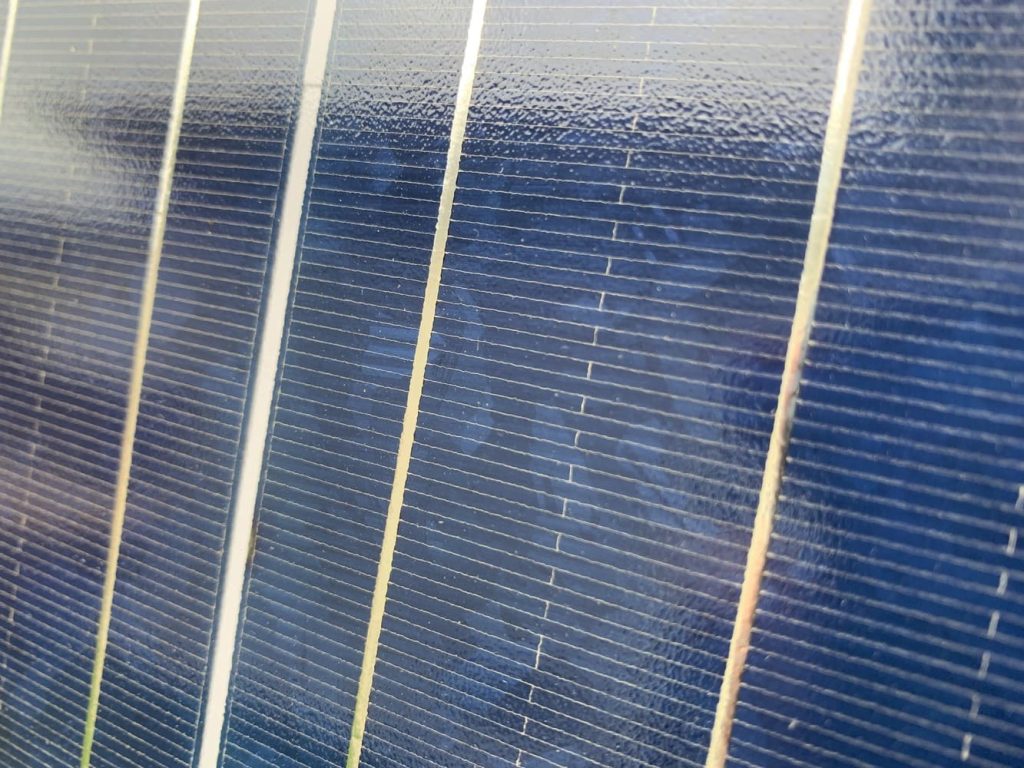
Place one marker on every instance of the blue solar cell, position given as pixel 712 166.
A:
pixel 597 402
pixel 243 92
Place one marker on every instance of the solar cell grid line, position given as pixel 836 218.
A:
pixel 889 629
pixel 626 243
pixel 246 71
pixel 9 13
pixel 86 212
pixel 371 210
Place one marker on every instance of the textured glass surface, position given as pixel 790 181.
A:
pixel 630 218
pixel 889 631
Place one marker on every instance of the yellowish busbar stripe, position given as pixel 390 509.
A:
pixel 147 299
pixel 836 134
pixel 5 50
pixel 419 366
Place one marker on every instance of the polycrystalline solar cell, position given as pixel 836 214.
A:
pixel 889 629
pixel 242 94
pixel 634 197
pixel 371 212
pixel 78 180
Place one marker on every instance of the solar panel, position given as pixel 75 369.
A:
pixel 510 382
